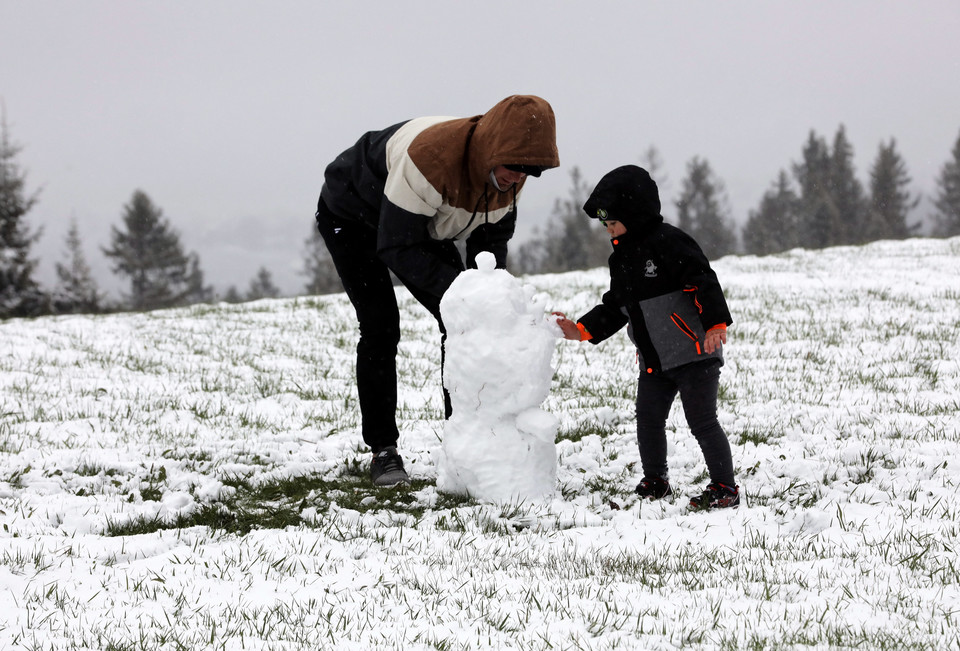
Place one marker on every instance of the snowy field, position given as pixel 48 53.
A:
pixel 193 479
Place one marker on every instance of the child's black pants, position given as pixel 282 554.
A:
pixel 697 385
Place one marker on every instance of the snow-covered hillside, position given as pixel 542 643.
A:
pixel 195 479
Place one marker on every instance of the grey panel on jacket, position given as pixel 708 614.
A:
pixel 674 326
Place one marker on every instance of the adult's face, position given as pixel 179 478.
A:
pixel 506 178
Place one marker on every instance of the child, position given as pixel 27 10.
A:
pixel 662 287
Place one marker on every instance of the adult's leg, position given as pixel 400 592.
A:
pixel 655 395
pixel 367 282
pixel 699 384
pixel 447 251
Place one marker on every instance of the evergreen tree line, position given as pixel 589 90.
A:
pixel 819 203
pixel 146 251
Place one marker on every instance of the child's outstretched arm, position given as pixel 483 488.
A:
pixel 597 324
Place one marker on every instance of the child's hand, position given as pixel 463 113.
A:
pixel 569 328
pixel 713 340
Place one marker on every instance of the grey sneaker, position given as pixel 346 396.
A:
pixel 386 469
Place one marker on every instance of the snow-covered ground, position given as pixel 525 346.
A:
pixel 841 398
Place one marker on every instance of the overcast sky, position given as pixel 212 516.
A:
pixel 226 113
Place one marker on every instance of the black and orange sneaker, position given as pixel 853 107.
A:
pixel 716 496
pixel 654 488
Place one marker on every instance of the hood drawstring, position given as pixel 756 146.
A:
pixel 486 208
pixel 476 208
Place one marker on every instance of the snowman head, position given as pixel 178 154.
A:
pixel 485 298
pixel 486 261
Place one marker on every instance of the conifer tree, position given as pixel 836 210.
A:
pixel 196 291
pixel 773 227
pixel 847 205
pixel 20 294
pixel 526 258
pixel 947 201
pixel 816 229
pixel 890 201
pixel 318 267
pixel 77 291
pixel 572 240
pixel 703 210
pixel 652 161
pixel 232 295
pixel 262 286
pixel 148 251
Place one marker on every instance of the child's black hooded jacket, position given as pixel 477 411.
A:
pixel 661 283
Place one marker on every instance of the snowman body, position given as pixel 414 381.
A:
pixel 498 445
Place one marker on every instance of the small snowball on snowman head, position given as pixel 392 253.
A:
pixel 486 261
pixel 498 445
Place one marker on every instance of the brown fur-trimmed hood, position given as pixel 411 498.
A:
pixel 456 156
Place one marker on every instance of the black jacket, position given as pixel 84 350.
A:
pixel 663 286
pixel 423 183
pixel 660 281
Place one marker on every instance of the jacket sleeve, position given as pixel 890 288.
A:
pixel 700 282
pixel 493 238
pixel 604 320
pixel 405 246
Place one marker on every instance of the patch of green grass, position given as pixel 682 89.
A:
pixel 280 503
pixel 153 489
pixel 585 429
pixel 756 436
pixel 93 470
pixel 15 479
pixel 9 444
pixel 610 489
pixel 195 455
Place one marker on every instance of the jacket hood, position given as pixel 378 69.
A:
pixel 457 155
pixel 519 130
pixel 628 195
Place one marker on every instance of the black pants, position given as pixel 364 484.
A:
pixel 367 283
pixel 697 385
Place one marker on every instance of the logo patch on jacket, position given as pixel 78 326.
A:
pixel 650 270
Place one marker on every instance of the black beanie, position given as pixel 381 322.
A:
pixel 626 194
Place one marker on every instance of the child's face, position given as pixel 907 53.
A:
pixel 614 228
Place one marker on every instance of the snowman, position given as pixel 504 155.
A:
pixel 498 445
